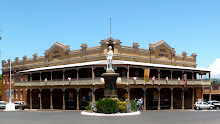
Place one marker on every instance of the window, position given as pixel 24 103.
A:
pixel 21 95
pixel 57 56
pixel 16 94
pixel 55 52
pixel 162 50
pixel 163 55
pixel 3 79
pixel 206 88
pixel 215 87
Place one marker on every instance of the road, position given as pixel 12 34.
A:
pixel 147 117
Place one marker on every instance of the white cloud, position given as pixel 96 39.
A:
pixel 215 69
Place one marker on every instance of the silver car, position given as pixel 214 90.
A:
pixel 203 105
pixel 2 104
pixel 215 103
pixel 20 105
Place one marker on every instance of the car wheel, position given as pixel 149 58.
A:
pixel 210 108
pixel 197 108
pixel 217 107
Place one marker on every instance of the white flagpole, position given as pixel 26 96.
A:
pixel 10 76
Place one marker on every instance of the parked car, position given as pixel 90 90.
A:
pixel 215 103
pixel 203 105
pixel 2 104
pixel 20 105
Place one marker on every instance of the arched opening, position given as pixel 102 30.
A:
pixel 85 97
pixel 70 99
pixel 57 98
pixel 45 96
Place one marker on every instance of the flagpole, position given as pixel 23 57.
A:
pixel 10 76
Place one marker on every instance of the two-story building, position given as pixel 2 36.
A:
pixel 65 79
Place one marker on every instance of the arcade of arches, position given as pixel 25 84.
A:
pixel 78 98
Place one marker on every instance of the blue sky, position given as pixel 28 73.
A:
pixel 186 25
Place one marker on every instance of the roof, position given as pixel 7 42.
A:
pixel 115 62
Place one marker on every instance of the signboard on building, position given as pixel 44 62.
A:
pixel 146 75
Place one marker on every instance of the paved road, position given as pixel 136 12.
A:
pixel 148 117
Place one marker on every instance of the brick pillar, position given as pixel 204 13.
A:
pixel 77 76
pixel 145 99
pixel 93 95
pixel 128 75
pixel 158 107
pixel 63 76
pixel 159 75
pixel 193 98
pixel 202 93
pixel 93 75
pixel 40 99
pixel 77 99
pixel 64 99
pixel 171 76
pixel 30 98
pixel 51 98
pixel 128 97
pixel 171 106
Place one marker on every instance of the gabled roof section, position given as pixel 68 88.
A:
pixel 162 42
pixel 57 44
pixel 115 41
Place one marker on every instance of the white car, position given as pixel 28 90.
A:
pixel 215 103
pixel 203 105
pixel 2 104
pixel 20 105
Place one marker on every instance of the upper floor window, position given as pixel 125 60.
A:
pixel 163 55
pixel 57 56
pixel 162 50
pixel 55 52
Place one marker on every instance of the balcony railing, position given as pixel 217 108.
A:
pixel 72 82
pixel 120 80
pixel 85 81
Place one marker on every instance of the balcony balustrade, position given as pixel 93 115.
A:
pixel 121 80
pixel 72 82
pixel 85 81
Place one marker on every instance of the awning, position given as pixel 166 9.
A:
pixel 116 62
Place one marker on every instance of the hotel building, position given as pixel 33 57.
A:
pixel 65 79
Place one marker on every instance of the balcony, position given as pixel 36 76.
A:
pixel 72 82
pixel 85 81
pixel 120 81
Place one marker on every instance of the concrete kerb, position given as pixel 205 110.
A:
pixel 117 114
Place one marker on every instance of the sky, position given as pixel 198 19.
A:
pixel 34 26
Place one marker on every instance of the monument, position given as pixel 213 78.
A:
pixel 110 77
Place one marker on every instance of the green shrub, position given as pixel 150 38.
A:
pixel 89 107
pixel 107 106
pixel 122 107
pixel 133 105
pixel 121 100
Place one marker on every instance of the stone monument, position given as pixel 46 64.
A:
pixel 110 77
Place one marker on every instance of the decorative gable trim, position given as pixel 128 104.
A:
pixel 111 39
pixel 162 42
pixel 57 44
